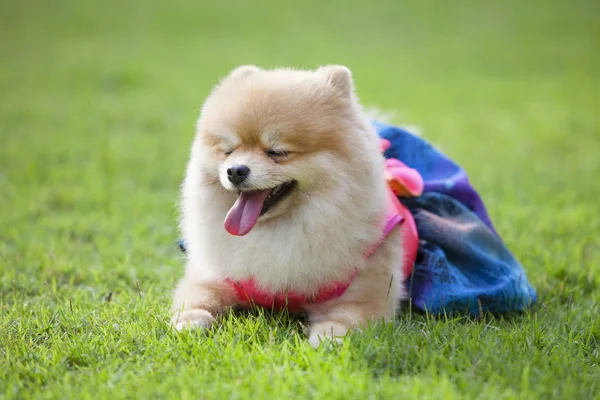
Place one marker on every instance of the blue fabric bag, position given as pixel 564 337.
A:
pixel 462 265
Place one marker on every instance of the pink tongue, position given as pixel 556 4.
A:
pixel 245 212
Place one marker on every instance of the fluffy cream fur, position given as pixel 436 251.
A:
pixel 317 235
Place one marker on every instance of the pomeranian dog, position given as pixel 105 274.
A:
pixel 283 202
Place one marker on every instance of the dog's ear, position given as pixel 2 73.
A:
pixel 244 71
pixel 339 77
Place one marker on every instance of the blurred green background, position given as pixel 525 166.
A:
pixel 97 108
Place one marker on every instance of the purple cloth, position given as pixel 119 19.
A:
pixel 462 264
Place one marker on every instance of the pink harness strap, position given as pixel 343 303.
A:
pixel 402 181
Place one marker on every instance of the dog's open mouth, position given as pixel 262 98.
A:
pixel 277 194
pixel 250 205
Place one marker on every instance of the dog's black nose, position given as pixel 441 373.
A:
pixel 237 174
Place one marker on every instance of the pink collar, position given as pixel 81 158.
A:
pixel 402 181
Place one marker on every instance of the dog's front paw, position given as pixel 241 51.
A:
pixel 192 319
pixel 327 332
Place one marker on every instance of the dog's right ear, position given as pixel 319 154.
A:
pixel 244 71
pixel 339 77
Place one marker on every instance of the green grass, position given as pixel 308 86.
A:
pixel 97 108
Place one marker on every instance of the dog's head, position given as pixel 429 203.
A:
pixel 274 137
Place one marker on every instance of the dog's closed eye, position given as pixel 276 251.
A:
pixel 276 153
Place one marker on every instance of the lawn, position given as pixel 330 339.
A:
pixel 97 108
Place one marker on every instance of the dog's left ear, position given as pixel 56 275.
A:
pixel 339 77
pixel 243 71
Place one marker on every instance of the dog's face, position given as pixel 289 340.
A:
pixel 272 138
